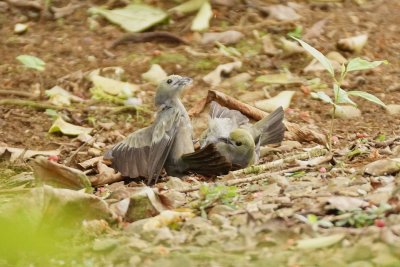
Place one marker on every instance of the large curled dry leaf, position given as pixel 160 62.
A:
pixel 139 203
pixel 48 206
pixel 303 134
pixel 106 174
pixel 58 175
pixel 214 78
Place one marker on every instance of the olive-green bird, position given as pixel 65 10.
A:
pixel 236 139
pixel 145 152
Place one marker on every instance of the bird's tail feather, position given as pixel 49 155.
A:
pixel 271 128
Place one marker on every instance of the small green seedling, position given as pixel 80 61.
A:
pixel 341 96
pixel 210 195
pixel 35 63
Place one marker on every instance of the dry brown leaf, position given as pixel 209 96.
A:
pixel 15 153
pixel 106 175
pixel 303 134
pixel 58 175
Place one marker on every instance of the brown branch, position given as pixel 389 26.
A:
pixel 250 179
pixel 148 37
pixel 17 93
pixel 28 103
pixel 229 102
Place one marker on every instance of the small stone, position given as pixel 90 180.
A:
pixel 20 28
pixel 226 38
pixel 393 109
pixel 347 112
pixel 94 152
pixel 382 167
pixel 394 87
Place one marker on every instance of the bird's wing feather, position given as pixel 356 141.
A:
pixel 269 130
pixel 207 161
pixel 221 122
pixel 143 153
pixel 218 111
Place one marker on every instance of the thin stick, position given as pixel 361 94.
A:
pixel 250 179
pixel 316 152
pixel 29 104
pixel 16 93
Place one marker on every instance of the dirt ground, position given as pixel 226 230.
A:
pixel 79 43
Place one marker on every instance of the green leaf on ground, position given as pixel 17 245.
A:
pixel 202 20
pixel 133 18
pixel 319 242
pixel 188 7
pixel 67 128
pixel 32 62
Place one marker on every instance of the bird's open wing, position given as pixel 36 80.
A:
pixel 143 153
pixel 207 161
pixel 221 122
pixel 218 111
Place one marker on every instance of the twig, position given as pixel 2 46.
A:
pixel 316 152
pixel 148 37
pixel 29 104
pixel 229 102
pixel 250 179
pixel 17 93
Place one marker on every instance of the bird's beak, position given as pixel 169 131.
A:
pixel 184 81
pixel 225 140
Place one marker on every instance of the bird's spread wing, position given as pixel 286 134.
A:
pixel 207 161
pixel 218 111
pixel 222 121
pixel 143 153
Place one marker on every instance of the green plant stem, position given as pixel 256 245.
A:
pixel 331 129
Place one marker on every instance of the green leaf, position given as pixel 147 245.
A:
pixel 312 218
pixel 324 97
pixel 133 18
pixel 188 7
pixel 32 62
pixel 68 129
pixel 362 64
pixel 368 97
pixel 341 96
pixel 317 55
pixel 297 32
pixel 202 20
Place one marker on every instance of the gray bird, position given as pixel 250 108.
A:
pixel 145 152
pixel 236 139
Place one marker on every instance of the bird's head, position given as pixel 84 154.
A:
pixel 242 139
pixel 170 88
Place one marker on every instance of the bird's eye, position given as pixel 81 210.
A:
pixel 169 81
pixel 238 143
